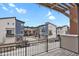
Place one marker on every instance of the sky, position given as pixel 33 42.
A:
pixel 32 14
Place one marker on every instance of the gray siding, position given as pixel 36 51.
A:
pixel 19 27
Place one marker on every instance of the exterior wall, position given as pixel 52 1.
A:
pixel 10 24
pixel 53 29
pixel 4 25
pixel 31 31
pixel 19 28
pixel 69 42
pixel 10 40
pixel 63 30
pixel 43 30
pixel 48 27
pixel 59 31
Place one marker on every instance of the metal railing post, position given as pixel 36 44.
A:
pixel 46 43
pixel 26 48
pixel 25 51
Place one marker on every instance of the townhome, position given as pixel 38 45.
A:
pixel 48 29
pixel 11 29
pixel 62 30
pixel 30 31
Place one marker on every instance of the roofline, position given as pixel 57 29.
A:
pixel 48 23
pixel 52 24
pixel 41 25
pixel 63 26
pixel 19 20
pixel 29 27
pixel 12 17
pixel 7 17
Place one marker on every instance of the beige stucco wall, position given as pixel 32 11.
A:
pixel 10 40
pixel 4 25
pixel 70 42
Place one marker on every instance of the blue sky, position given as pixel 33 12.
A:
pixel 33 14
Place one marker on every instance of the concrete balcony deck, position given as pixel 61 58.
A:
pixel 58 52
pixel 40 48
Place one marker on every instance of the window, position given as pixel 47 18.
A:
pixel 25 31
pixel 50 32
pixel 21 32
pixel 12 23
pixel 9 32
pixel 33 32
pixel 8 23
pixel 22 24
pixel 43 30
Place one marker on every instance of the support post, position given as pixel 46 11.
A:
pixel 46 43
pixel 73 20
pixel 78 24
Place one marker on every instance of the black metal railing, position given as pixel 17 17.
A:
pixel 13 49
pixel 26 48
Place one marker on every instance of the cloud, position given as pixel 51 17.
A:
pixel 11 10
pixel 49 13
pixel 6 9
pixel 50 16
pixel 21 10
pixel 3 7
pixel 11 5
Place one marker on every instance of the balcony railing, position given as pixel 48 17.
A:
pixel 26 48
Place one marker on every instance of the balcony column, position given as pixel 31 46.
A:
pixel 74 20
pixel 78 24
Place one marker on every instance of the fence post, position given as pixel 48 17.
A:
pixel 46 43
pixel 25 51
pixel 26 48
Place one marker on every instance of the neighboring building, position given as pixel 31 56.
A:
pixel 41 31
pixel 10 27
pixel 30 31
pixel 62 30
pixel 47 29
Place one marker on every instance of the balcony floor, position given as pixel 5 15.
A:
pixel 58 52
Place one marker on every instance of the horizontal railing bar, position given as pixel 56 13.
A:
pixel 19 43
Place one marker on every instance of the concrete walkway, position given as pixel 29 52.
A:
pixel 58 52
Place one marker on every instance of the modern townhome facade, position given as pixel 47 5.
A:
pixel 48 29
pixel 62 30
pixel 11 29
pixel 30 31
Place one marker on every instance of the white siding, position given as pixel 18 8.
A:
pixel 63 30
pixel 53 29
